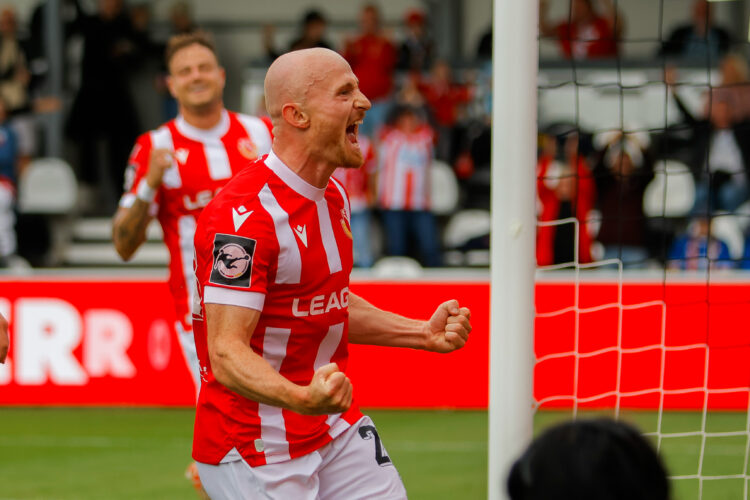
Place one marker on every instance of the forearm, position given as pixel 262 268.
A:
pixel 373 326
pixel 129 228
pixel 241 370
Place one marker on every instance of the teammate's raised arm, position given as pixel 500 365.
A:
pixel 130 223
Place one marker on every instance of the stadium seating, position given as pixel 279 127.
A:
pixel 397 267
pixel 444 189
pixel 47 186
pixel 91 245
pixel 672 191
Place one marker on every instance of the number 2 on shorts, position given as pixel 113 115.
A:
pixel 369 432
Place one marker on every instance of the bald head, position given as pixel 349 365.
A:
pixel 291 76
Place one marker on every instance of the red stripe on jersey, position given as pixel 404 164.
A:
pixel 301 260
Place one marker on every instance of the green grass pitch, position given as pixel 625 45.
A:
pixel 116 453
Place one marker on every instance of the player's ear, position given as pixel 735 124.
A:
pixel 295 116
pixel 170 84
pixel 223 74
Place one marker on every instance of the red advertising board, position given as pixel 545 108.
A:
pixel 111 342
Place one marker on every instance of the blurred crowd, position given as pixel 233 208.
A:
pixel 426 111
pixel 421 112
pixel 676 197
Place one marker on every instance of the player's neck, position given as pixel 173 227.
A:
pixel 205 118
pixel 315 172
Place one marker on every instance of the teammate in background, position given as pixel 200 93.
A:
pixel 4 340
pixel 275 415
pixel 175 170
pixel 589 459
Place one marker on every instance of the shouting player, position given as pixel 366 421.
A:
pixel 275 416
pixel 177 169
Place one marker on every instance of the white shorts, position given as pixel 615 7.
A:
pixel 353 466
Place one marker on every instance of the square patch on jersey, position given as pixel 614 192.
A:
pixel 233 260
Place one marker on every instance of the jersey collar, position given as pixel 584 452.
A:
pixel 291 179
pixel 203 135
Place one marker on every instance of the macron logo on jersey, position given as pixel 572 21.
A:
pixel 182 155
pixel 302 233
pixel 239 216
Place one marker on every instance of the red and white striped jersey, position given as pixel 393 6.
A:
pixel 357 180
pixel 204 160
pixel 404 162
pixel 272 242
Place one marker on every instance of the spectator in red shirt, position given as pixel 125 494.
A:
pixel 372 57
pixel 585 34
pixel 445 99
pixel 565 189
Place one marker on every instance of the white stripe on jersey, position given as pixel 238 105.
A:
pixel 161 138
pixel 328 345
pixel 217 159
pixel 231 297
pixel 258 130
pixel 327 349
pixel 272 427
pixel 341 189
pixel 186 229
pixel 329 239
pixel 289 268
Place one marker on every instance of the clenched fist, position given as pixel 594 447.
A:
pixel 158 163
pixel 330 391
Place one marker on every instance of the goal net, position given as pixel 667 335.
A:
pixel 641 297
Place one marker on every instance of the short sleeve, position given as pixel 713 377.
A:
pixel 239 256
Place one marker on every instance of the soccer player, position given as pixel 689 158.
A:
pixel 275 416
pixel 4 341
pixel 175 170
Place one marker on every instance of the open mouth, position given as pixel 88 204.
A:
pixel 351 132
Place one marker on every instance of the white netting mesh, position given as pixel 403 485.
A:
pixel 663 346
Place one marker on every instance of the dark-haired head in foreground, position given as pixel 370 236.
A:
pixel 589 460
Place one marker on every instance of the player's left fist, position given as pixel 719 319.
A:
pixel 449 327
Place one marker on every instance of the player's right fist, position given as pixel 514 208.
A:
pixel 330 391
pixel 158 163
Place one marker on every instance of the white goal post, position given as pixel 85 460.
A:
pixel 514 128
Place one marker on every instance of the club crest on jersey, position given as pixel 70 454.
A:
pixel 247 148
pixel 233 259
